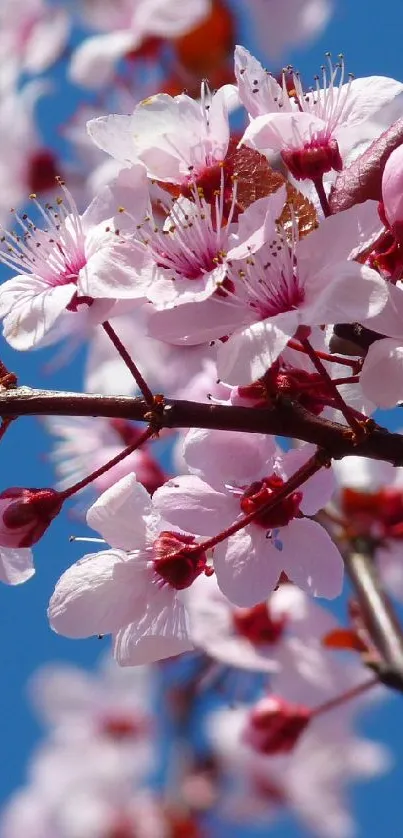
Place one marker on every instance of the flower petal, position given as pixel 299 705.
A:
pixel 16 565
pixel 121 513
pixel 311 559
pixel 247 566
pixel 30 308
pixel 382 374
pixel 161 633
pixel 247 355
pixel 191 504
pixel 98 595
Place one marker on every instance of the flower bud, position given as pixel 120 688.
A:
pixel 274 726
pixel 25 514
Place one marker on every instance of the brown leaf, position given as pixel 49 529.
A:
pixel 363 179
pixel 256 179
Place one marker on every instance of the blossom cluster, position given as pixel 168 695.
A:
pixel 236 248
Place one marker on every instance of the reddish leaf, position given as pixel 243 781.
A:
pixel 363 179
pixel 344 639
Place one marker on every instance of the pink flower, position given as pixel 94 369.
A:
pixel 57 265
pixel 26 164
pixel 177 138
pixel 126 27
pixel 235 474
pixel 32 37
pixel 264 638
pixel 110 705
pixel 279 288
pixel 132 591
pixel 311 129
pixel 286 23
pixel 274 726
pixel 311 783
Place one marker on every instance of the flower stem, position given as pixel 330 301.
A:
pixel 113 462
pixel 320 189
pixel 339 402
pixel 347 696
pixel 325 356
pixel 141 383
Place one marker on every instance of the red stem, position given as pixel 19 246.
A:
pixel 347 696
pixel 338 399
pixel 325 356
pixel 320 189
pixel 113 462
pixel 141 383
pixel 306 471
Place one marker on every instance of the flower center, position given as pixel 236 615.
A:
pixel 257 626
pixel 258 494
pixel 120 727
pixel 314 159
pixel 176 560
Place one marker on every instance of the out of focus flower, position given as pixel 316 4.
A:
pixel 130 26
pixel 33 35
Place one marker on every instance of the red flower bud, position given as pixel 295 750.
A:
pixel 25 514
pixel 275 725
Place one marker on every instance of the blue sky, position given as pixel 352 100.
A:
pixel 371 43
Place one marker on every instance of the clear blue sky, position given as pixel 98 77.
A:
pixel 369 34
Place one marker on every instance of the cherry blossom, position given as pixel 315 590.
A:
pixel 56 265
pixel 311 782
pixel 26 164
pixel 127 27
pixel 32 37
pixel 311 130
pixel 132 591
pixel 280 288
pixel 291 23
pixel 257 638
pixel 179 140
pixel 233 475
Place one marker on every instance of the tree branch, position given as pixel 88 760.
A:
pixel 284 418
pixel 378 615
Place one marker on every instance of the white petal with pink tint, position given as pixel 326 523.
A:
pixel 382 374
pixel 281 131
pixel 16 565
pixel 248 354
pixel 191 504
pixel 30 308
pixel 311 559
pixel 160 633
pixel 247 566
pixel 98 595
pixel 122 514
pixel 227 456
pixel 93 62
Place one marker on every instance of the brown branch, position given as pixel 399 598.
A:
pixel 378 614
pixel 285 418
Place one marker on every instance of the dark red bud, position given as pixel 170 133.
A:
pixel 25 514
